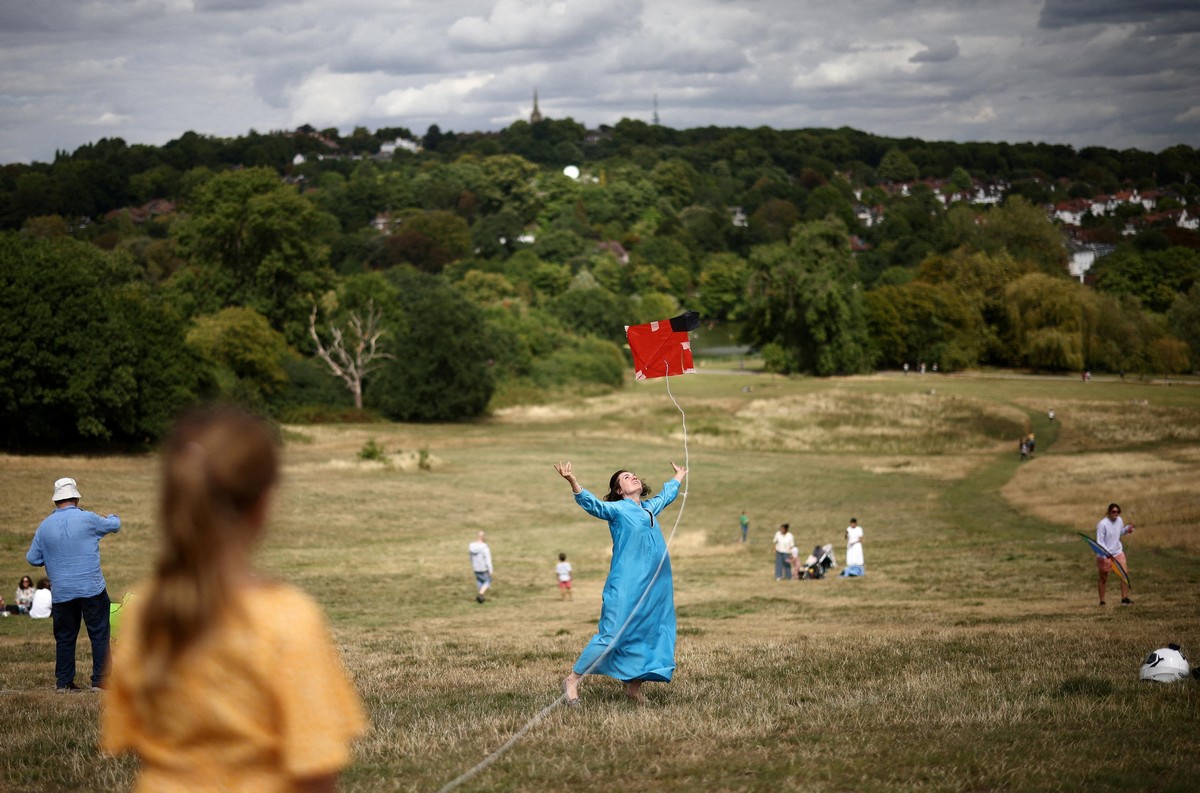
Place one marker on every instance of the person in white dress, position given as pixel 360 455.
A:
pixel 854 549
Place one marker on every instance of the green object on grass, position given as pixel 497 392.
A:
pixel 114 616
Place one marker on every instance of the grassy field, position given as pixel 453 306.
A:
pixel 972 657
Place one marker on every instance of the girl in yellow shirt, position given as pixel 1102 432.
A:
pixel 222 680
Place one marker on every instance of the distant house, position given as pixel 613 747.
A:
pixel 603 132
pixel 616 249
pixel 1071 212
pixel 1084 255
pixel 389 148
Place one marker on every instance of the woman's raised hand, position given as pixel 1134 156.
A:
pixel 564 470
pixel 680 471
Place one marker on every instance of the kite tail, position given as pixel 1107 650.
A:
pixel 519 734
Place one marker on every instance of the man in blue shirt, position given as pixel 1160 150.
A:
pixel 68 544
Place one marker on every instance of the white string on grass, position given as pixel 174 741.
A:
pixel 519 734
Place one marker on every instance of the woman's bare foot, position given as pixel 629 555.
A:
pixel 633 690
pixel 570 687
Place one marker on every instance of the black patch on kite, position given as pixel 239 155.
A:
pixel 688 320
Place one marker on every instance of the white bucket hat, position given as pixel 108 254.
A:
pixel 65 488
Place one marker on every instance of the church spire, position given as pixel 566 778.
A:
pixel 536 115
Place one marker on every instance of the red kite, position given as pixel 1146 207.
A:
pixel 662 348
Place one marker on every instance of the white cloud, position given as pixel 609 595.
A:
pixel 109 119
pixel 441 98
pixel 1107 73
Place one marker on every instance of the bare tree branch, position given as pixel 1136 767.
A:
pixel 355 350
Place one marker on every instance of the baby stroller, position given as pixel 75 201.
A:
pixel 818 562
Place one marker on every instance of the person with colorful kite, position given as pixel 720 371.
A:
pixel 1110 554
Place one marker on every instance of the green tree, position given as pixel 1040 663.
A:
pixel 247 353
pixel 559 245
pixel 960 180
pixel 507 183
pixel 919 321
pixel 897 167
pixel 1184 319
pixel 441 371
pixel 826 201
pixel 805 297
pixel 87 354
pixel 596 311
pixel 1155 277
pixel 428 240
pixel 722 292
pixel 981 281
pixel 1048 322
pixel 1023 230
pixel 773 220
pixel 484 289
pixel 674 180
pixel 1169 356
pixel 255 242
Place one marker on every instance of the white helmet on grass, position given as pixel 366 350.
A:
pixel 1165 665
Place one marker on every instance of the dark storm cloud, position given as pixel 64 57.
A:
pixel 22 16
pixel 1071 13
pixel 938 52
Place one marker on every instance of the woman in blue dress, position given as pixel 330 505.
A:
pixel 635 640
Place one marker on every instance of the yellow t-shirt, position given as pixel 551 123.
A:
pixel 256 705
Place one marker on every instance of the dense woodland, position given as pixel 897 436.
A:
pixel 317 276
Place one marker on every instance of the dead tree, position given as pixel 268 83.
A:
pixel 354 352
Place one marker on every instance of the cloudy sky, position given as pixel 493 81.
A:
pixel 1117 73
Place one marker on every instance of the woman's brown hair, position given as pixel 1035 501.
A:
pixel 614 489
pixel 217 465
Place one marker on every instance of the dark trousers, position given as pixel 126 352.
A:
pixel 93 612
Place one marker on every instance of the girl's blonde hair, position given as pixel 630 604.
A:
pixel 217 465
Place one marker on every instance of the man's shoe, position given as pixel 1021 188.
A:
pixel 1126 602
pixel 479 598
pixel 70 688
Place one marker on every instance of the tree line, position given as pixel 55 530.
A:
pixel 304 275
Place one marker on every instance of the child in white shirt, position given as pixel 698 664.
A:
pixel 563 571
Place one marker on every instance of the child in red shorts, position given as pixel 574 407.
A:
pixel 563 571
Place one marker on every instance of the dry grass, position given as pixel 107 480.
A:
pixel 1094 425
pixel 1157 492
pixel 972 656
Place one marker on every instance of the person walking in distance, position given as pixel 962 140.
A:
pixel 1109 531
pixel 481 563
pixel 67 544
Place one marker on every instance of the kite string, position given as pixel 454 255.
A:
pixel 519 734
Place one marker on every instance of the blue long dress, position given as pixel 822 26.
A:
pixel 646 648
